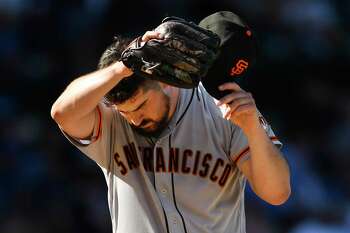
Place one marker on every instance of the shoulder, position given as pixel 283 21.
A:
pixel 208 102
pixel 108 114
pixel 211 112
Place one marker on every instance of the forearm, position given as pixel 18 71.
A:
pixel 83 94
pixel 269 171
pixel 266 170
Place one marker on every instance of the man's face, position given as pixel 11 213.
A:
pixel 147 111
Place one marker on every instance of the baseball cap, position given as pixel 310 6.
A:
pixel 237 53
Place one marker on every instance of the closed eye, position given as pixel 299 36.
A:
pixel 139 107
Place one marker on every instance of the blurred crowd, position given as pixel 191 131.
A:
pixel 300 85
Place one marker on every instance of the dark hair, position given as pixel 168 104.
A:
pixel 127 87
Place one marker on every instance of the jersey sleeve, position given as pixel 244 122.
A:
pixel 98 146
pixel 239 148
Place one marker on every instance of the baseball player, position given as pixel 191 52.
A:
pixel 175 160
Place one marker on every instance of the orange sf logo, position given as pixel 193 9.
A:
pixel 239 68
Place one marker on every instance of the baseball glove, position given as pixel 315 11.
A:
pixel 181 59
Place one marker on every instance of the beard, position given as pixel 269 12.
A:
pixel 156 127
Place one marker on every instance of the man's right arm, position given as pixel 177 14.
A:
pixel 74 110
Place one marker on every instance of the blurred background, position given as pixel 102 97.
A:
pixel 301 85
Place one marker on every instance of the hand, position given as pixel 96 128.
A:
pixel 149 35
pixel 152 35
pixel 241 108
pixel 176 52
pixel 123 70
pixel 126 72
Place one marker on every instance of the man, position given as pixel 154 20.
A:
pixel 175 160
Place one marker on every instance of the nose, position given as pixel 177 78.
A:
pixel 136 119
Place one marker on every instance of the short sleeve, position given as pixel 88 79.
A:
pixel 267 127
pixel 239 147
pixel 98 146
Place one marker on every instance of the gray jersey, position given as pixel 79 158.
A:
pixel 185 181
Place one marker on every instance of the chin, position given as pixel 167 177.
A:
pixel 152 131
pixel 157 126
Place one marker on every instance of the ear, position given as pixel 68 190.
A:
pixel 164 85
pixel 166 88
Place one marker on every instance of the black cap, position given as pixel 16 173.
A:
pixel 237 53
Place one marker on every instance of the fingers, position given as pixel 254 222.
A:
pixel 151 35
pixel 240 105
pixel 230 86
pixel 236 104
pixel 240 110
pixel 230 97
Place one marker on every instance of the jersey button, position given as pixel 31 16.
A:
pixel 164 191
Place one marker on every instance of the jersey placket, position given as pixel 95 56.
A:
pixel 164 188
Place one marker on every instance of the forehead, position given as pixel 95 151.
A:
pixel 135 101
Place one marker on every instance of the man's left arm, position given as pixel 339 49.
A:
pixel 267 171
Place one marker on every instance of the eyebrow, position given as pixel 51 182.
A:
pixel 140 106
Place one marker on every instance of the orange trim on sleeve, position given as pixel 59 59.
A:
pixel 246 150
pixel 99 124
pixel 274 139
pixel 243 152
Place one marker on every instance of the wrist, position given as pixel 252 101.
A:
pixel 252 127
pixel 120 70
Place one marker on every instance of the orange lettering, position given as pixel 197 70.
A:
pixel 131 155
pixel 160 164
pixel 203 173
pixel 218 163
pixel 174 160
pixel 186 169
pixel 225 175
pixel 239 68
pixel 148 158
pixel 123 170
pixel 196 161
